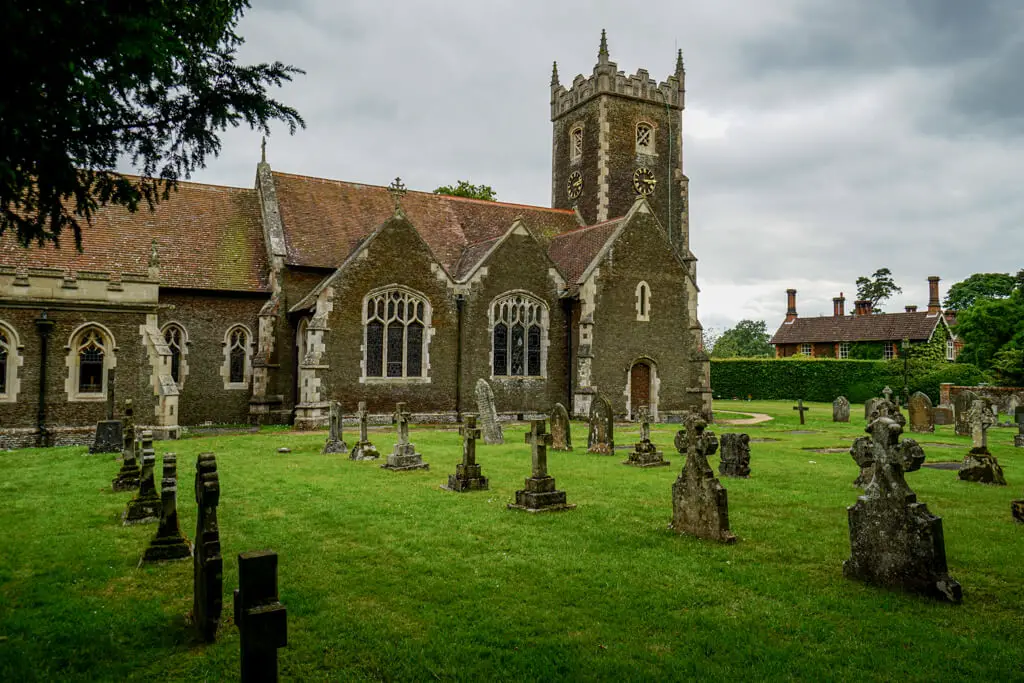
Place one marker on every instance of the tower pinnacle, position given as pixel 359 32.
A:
pixel 602 52
pixel 679 62
pixel 554 73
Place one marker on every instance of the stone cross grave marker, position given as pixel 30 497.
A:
pixel 601 437
pixel 894 540
pixel 404 457
pixel 700 504
pixel 168 543
pixel 869 407
pixel 488 413
pixel 979 464
pixel 145 506
pixel 539 493
pixel 841 409
pixel 961 408
pixel 561 429
pixel 645 453
pixel 335 442
pixel 127 478
pixel 363 450
pixel 801 409
pixel 735 456
pixel 919 408
pixel 467 475
pixel 261 618
pixel 207 563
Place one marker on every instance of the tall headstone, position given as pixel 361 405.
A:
pixel 145 506
pixel 700 504
pixel 335 443
pixel 404 457
pixel 645 453
pixel 894 540
pixel 363 450
pixel 979 464
pixel 601 438
pixel 920 411
pixel 488 413
pixel 841 409
pixel 961 408
pixel 561 429
pixel 539 493
pixel 261 618
pixel 735 455
pixel 127 478
pixel 168 543
pixel 207 563
pixel 467 475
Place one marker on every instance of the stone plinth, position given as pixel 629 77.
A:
pixel 168 543
pixel 646 454
pixel 467 475
pixel 700 504
pixel 145 506
pixel 404 457
pixel 539 493
pixel 981 466
pixel 109 437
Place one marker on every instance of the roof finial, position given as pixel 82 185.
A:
pixel 263 150
pixel 397 190
pixel 679 62
pixel 603 50
pixel 554 73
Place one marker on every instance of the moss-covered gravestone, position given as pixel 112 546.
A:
pixel 735 456
pixel 561 429
pixel 335 443
pixel 922 418
pixel 894 540
pixel 961 410
pixel 539 494
pixel 404 457
pixel 700 504
pixel 979 464
pixel 145 506
pixel 207 563
pixel 645 453
pixel 168 543
pixel 363 449
pixel 127 478
pixel 601 437
pixel 841 409
pixel 467 475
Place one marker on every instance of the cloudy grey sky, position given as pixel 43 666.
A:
pixel 823 140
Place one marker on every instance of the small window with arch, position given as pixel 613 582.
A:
pixel 174 337
pixel 237 358
pixel 643 301
pixel 644 138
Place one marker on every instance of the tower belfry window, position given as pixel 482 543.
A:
pixel 576 144
pixel 644 138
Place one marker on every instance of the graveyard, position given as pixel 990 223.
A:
pixel 385 574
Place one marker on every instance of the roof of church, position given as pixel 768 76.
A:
pixel 573 251
pixel 854 328
pixel 325 220
pixel 208 237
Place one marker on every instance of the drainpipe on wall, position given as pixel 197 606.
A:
pixel 45 326
pixel 567 311
pixel 460 302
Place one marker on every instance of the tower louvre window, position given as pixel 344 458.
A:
pixel 644 138
pixel 576 144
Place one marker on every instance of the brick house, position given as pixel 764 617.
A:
pixel 865 334
pixel 263 304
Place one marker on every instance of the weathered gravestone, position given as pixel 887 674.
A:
pixel 1018 417
pixel 488 413
pixel 467 475
pixel 1017 510
pixel 261 618
pixel 207 564
pixel 861 450
pixel 961 408
pixel 645 453
pixel 539 493
pixel 735 456
pixel 404 457
pixel 335 444
pixel 841 409
pixel 869 407
pixel 894 540
pixel 108 437
pixel 145 506
pixel 920 411
pixel 168 543
pixel 601 438
pixel 561 429
pixel 700 504
pixel 363 450
pixel 979 464
pixel 127 478
pixel 942 414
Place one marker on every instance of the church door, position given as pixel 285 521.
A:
pixel 639 386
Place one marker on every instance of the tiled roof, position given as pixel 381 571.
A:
pixel 471 256
pixel 208 237
pixel 853 328
pixel 324 220
pixel 573 251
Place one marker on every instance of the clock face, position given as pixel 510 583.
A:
pixel 574 185
pixel 643 180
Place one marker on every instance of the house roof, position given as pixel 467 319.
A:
pixel 325 220
pixel 854 328
pixel 208 237
pixel 573 251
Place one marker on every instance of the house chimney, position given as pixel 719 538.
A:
pixel 839 305
pixel 933 295
pixel 790 305
pixel 862 307
pixel 911 309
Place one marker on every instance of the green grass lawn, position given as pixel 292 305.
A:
pixel 386 576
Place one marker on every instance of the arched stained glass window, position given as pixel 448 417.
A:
pixel 395 321
pixel 174 336
pixel 91 351
pixel 516 340
pixel 238 341
pixel 5 355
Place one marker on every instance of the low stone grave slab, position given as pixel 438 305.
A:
pixel 804 431
pixel 764 439
pixel 942 465
pixel 941 445
pixel 827 449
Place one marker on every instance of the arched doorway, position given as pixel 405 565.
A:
pixel 640 387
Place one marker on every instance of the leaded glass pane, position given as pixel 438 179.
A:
pixel 375 349
pixel 90 370
pixel 3 365
pixel 533 351
pixel 500 349
pixel 517 365
pixel 414 350
pixel 395 338
pixel 175 364
pixel 237 364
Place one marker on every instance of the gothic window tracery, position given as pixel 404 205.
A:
pixel 90 355
pixel 174 336
pixel 395 321
pixel 644 138
pixel 237 368
pixel 5 356
pixel 516 338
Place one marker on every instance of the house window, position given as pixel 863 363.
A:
pixel 90 355
pixel 576 144
pixel 644 138
pixel 950 349
pixel 517 336
pixel 237 358
pixel 844 349
pixel 174 336
pixel 395 322
pixel 643 301
pixel 889 350
pixel 805 349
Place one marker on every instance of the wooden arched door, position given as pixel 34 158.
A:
pixel 639 386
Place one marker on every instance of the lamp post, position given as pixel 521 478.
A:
pixel 904 349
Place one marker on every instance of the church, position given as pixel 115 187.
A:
pixel 262 305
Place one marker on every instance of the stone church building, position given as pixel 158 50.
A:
pixel 263 304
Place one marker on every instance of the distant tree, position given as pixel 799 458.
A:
pixel 90 84
pixel 749 339
pixel 877 288
pixel 992 326
pixel 467 189
pixel 963 294
pixel 709 337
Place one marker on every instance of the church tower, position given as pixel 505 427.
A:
pixel 617 136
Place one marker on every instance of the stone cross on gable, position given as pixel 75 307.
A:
pixel 470 433
pixel 362 415
pixel 644 416
pixel 402 420
pixel 397 190
pixel 980 418
pixel 539 442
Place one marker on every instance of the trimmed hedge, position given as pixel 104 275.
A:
pixel 823 379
